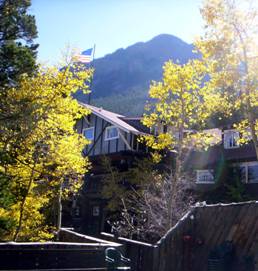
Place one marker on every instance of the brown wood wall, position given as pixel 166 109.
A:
pixel 186 247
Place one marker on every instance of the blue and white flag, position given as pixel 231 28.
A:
pixel 85 56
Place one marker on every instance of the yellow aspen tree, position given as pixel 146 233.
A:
pixel 43 150
pixel 179 104
pixel 230 49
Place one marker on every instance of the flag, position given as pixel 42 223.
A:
pixel 85 56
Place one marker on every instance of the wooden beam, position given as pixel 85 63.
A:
pixel 86 120
pixel 100 135
pixel 124 140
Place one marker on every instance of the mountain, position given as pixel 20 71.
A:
pixel 122 79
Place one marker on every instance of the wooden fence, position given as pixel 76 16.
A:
pixel 186 247
pixel 74 252
pixel 141 254
pixel 52 256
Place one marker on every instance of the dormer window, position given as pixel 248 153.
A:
pixel 88 133
pixel 205 176
pixel 231 138
pixel 111 133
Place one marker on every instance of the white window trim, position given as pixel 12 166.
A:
pixel 89 128
pixel 225 142
pixel 198 173
pixel 114 137
pixel 245 165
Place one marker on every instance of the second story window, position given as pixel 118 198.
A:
pixel 88 133
pixel 111 133
pixel 158 129
pixel 231 138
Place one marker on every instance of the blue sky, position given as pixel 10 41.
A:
pixel 110 24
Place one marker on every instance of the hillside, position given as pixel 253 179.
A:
pixel 122 79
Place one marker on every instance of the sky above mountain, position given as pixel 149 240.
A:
pixel 110 24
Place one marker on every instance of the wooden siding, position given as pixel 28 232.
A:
pixel 100 145
pixel 187 245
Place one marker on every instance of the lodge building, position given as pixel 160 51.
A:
pixel 116 137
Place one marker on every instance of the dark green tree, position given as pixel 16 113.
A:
pixel 17 56
pixel 17 49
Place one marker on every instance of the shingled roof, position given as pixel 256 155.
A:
pixel 137 124
pixel 217 153
pixel 132 125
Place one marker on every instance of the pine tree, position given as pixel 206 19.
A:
pixel 17 49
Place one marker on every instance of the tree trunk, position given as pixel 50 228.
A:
pixel 18 229
pixel 175 177
pixel 59 211
pixel 250 114
pixel 253 133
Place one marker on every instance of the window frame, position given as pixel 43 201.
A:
pixel 106 132
pixel 200 171
pixel 225 138
pixel 89 128
pixel 245 165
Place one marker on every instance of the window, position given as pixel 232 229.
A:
pixel 88 133
pixel 253 173
pixel 242 172
pixel 95 211
pixel 205 176
pixel 231 138
pixel 160 128
pixel 154 130
pixel 111 133
pixel 249 172
pixel 77 211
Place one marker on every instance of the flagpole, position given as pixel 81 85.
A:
pixel 91 82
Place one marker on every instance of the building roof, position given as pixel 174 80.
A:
pixel 117 120
pixel 217 154
pixel 137 124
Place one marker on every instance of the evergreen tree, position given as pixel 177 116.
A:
pixel 17 50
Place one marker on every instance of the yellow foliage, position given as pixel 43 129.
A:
pixel 230 49
pixel 44 149
pixel 180 104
